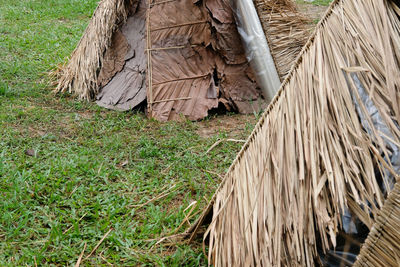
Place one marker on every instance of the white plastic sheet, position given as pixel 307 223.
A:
pixel 256 47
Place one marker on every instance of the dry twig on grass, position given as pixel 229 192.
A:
pixel 78 263
pixel 160 196
pixel 80 219
pixel 98 244
pixel 223 140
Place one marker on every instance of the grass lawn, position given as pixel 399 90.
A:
pixel 71 172
pixel 316 2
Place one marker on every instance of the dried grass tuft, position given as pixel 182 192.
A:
pixel 309 157
pixel 80 74
pixel 286 30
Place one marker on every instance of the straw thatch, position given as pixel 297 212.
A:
pixel 309 157
pixel 80 75
pixel 286 30
pixel 382 247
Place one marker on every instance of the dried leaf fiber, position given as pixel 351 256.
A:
pixel 309 156
pixel 80 74
pixel 286 30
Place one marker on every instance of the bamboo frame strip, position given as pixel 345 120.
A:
pixel 184 79
pixel 180 25
pixel 171 99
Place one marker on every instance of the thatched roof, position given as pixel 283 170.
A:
pixel 80 75
pixel 84 75
pixel 310 158
pixel 286 30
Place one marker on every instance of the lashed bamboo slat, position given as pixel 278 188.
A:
pixel 382 247
pixel 309 156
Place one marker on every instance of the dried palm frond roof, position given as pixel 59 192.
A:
pixel 309 157
pixel 80 75
pixel 382 247
pixel 286 30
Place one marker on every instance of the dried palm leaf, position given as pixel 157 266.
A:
pixel 309 157
pixel 286 30
pixel 80 75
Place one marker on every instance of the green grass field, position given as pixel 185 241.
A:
pixel 316 2
pixel 70 171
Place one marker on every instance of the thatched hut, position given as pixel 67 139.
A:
pixel 324 155
pixel 182 57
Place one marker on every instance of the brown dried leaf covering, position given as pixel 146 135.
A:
pixel 97 71
pixel 79 76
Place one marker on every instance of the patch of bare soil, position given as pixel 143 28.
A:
pixel 314 12
pixel 233 125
